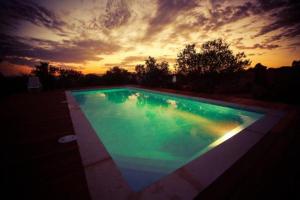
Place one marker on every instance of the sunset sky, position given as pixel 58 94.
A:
pixel 94 35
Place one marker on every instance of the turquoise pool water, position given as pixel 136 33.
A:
pixel 150 134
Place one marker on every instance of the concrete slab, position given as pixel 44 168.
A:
pixel 91 148
pixel 105 181
pixel 263 125
pixel 172 187
pixel 208 167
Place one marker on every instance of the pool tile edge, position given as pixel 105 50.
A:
pixel 201 180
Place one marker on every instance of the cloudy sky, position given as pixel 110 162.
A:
pixel 94 35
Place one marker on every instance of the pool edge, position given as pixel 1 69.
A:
pixel 199 173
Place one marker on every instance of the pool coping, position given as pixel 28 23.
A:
pixel 106 182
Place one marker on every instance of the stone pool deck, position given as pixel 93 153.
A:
pixel 37 167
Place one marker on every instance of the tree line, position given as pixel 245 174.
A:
pixel 214 57
pixel 213 68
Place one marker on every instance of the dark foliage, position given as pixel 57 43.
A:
pixel 296 63
pixel 214 57
pixel 188 61
pixel 92 80
pixel 153 73
pixel 206 69
pixel 46 74
pixel 214 69
pixel 260 83
pixel 54 77
pixel 117 75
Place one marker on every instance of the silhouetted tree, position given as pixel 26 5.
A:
pixel 151 65
pixel 259 88
pixel 70 74
pixel 217 57
pixel 153 74
pixel 214 57
pixel 260 66
pixel 296 63
pixel 46 73
pixel 52 76
pixel 260 74
pixel 164 68
pixel 188 60
pixel 205 69
pixel 140 73
pixel 41 70
pixel 92 79
pixel 69 77
pixel 151 71
pixel 117 75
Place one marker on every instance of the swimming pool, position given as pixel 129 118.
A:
pixel 150 134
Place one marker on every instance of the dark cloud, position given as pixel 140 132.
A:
pixel 67 51
pixel 21 61
pixel 259 46
pixel 267 5
pixel 284 13
pixel 167 12
pixel 117 13
pixel 287 33
pixel 287 19
pixel 218 17
pixel 295 44
pixel 11 12
pixel 11 46
pixel 222 16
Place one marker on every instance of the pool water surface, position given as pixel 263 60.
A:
pixel 150 134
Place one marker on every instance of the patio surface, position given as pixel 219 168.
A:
pixel 36 166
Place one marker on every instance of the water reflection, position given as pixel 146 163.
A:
pixel 173 103
pixel 134 96
pixel 118 97
pixel 101 95
pixel 141 99
pixel 150 100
